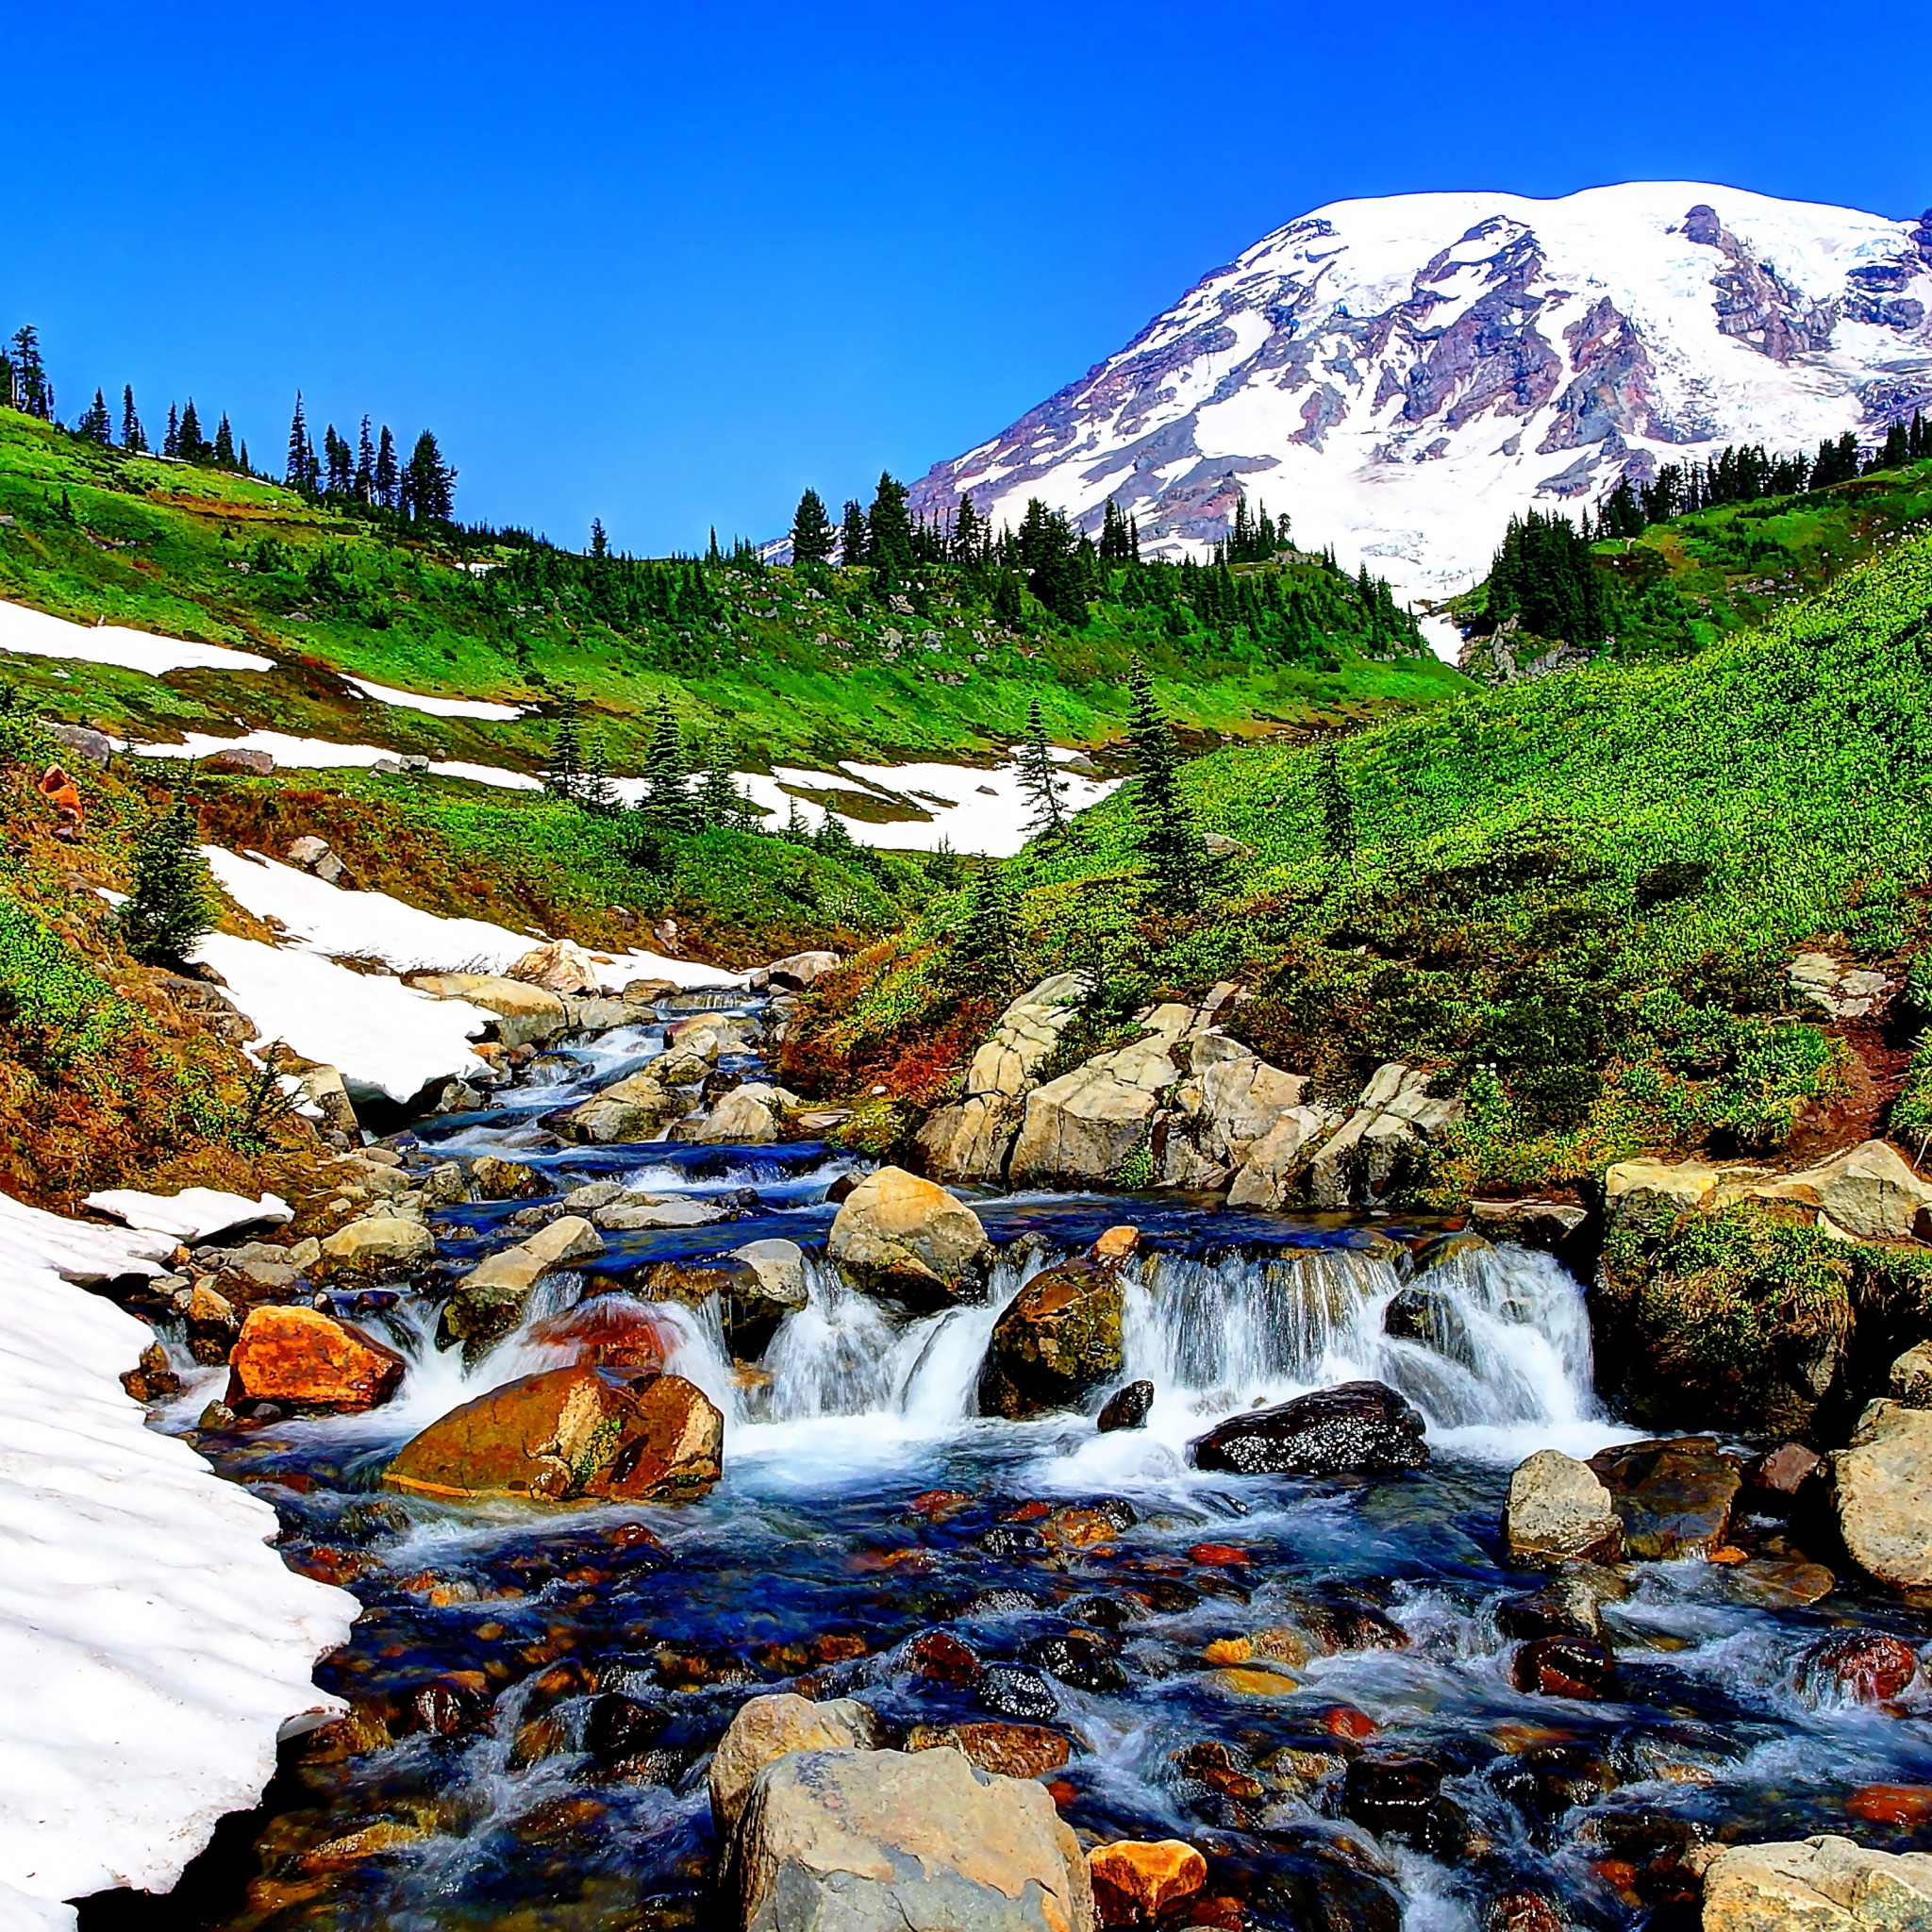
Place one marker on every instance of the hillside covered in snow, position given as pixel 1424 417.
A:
pixel 1400 374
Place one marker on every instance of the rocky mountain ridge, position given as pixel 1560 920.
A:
pixel 1400 374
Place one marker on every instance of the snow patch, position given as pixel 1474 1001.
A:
pixel 151 1642
pixel 31 633
pixel 193 1215
pixel 437 707
pixel 316 754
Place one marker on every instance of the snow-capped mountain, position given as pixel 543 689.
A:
pixel 1400 374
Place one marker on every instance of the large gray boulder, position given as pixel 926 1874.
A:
pixel 1394 1109
pixel 1081 1127
pixel 1557 1506
pixel 1883 1483
pixel 1821 1884
pixel 1229 1101
pixel 884 1840
pixel 767 1727
pixel 525 1015
pixel 748 1116
pixel 908 1237
pixel 635 1108
pixel 968 1140
pixel 1267 1176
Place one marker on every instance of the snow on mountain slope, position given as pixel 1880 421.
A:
pixel 1400 374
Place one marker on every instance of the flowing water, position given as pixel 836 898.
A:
pixel 552 1680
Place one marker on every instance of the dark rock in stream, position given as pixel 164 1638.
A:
pixel 1018 1692
pixel 1674 1497
pixel 1127 1409
pixel 1565 1667
pixel 1858 1667
pixel 1058 1341
pixel 1079 1659
pixel 1431 1320
pixel 1359 1429
pixel 1567 1607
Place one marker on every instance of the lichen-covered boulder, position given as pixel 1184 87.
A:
pixel 1058 1341
pixel 1557 1506
pixel 638 1108
pixel 908 1237
pixel 309 1363
pixel 1821 1884
pixel 383 1244
pixel 568 1434
pixel 745 1116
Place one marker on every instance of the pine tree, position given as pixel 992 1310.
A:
pixel 984 959
pixel 1169 837
pixel 668 800
pixel 426 490
pixel 339 463
pixel 1338 807
pixel 172 904
pixel 171 442
pixel 595 793
pixel 387 479
pixel 1040 777
pixel 565 775
pixel 719 801
pixel 225 445
pixel 189 445
pixel 794 828
pixel 599 544
pixel 32 393
pixel 366 465
pixel 301 452
pixel 133 437
pixel 889 526
pixel 95 425
pixel 852 547
pixel 812 535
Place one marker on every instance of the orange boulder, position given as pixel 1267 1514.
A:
pixel 1134 1882
pixel 306 1360
pixel 607 1331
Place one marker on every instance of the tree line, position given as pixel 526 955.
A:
pixel 368 474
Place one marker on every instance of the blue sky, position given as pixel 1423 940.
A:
pixel 668 264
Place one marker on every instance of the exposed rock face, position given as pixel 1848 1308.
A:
pixel 1082 1127
pixel 1869 1191
pixel 1673 1498
pixel 1642 1194
pixel 562 966
pixel 1230 1100
pixel 1359 1429
pixel 1821 1884
pixel 1883 1484
pixel 1911 1376
pixel 1058 1342
pixel 1557 1507
pixel 767 1727
pixel 970 1140
pixel 489 1300
pixel 903 1235
pixel 525 1015
pixel 382 1245
pixel 1394 1109
pixel 1267 1175
pixel 570 1433
pixel 880 1841
pixel 638 1108
pixel 310 1363
pixel 1846 993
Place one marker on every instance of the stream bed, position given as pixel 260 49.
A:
pixel 1305 1679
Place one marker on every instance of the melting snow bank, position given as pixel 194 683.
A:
pixel 37 634
pixel 319 755
pixel 436 707
pixel 151 1642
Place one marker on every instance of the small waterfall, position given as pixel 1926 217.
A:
pixel 1495 1340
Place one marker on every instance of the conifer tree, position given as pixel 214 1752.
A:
pixel 969 532
pixel 889 526
pixel 565 775
pixel 852 549
pixel 133 437
pixel 95 425
pixel 225 445
pixel 427 489
pixel 366 465
pixel 599 544
pixel 1169 837
pixel 1338 807
pixel 172 904
pixel 191 446
pixel 794 828
pixel 339 463
pixel 720 802
pixel 301 462
pixel 387 477
pixel 668 801
pixel 171 442
pixel 984 959
pixel 1040 777
pixel 812 535
pixel 33 394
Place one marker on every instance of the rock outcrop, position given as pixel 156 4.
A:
pixel 794 972
pixel 906 1237
pixel 1883 1486
pixel 1081 1127
pixel 880 1841
pixel 1821 1885
pixel 970 1140
pixel 567 1434
pixel 1358 1428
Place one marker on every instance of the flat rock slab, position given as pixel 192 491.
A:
pixel 1674 1498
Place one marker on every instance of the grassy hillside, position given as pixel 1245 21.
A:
pixel 794 665
pixel 1686 582
pixel 1575 896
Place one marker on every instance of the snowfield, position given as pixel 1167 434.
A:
pixel 151 1642
pixel 36 634
pixel 318 754
pixel 435 707
pixel 1402 373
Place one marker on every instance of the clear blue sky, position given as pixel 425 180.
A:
pixel 668 264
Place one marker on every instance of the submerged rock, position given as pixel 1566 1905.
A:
pixel 1858 1666
pixel 1564 1667
pixel 1881 1482
pixel 881 1841
pixel 1567 1607
pixel 570 1433
pixel 309 1362
pixel 909 1238
pixel 1358 1428
pixel 1058 1342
